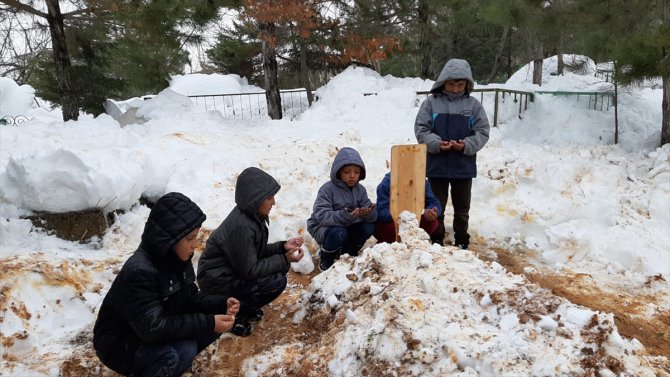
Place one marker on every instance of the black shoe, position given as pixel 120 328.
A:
pixel 242 328
pixel 462 246
pixel 257 315
pixel 327 258
pixel 325 263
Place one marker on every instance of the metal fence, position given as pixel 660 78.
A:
pixel 253 105
pixel 605 74
pixel 597 100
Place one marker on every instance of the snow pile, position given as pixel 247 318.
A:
pixel 14 99
pixel 416 309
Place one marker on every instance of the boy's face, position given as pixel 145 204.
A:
pixel 455 86
pixel 266 206
pixel 185 247
pixel 350 175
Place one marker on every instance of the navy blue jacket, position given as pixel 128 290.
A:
pixel 384 204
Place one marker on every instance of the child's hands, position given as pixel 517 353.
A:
pixel 294 255
pixel 223 322
pixel 293 244
pixel 232 306
pixel 458 145
pixel 452 145
pixel 430 214
pixel 363 212
pixel 445 145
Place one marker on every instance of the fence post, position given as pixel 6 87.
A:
pixel 495 111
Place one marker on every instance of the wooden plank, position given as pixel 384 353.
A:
pixel 408 174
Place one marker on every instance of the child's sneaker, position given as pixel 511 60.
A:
pixel 242 327
pixel 257 315
pixel 462 246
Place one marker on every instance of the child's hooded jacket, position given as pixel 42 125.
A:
pixel 447 116
pixel 335 198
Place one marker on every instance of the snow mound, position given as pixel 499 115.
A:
pixel 416 309
pixel 67 180
pixel 14 99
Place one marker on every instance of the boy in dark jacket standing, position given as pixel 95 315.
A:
pixel 454 127
pixel 238 261
pixel 343 216
pixel 153 320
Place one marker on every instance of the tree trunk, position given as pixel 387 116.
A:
pixel 424 41
pixel 537 72
pixel 665 127
pixel 496 61
pixel 62 60
pixel 304 71
pixel 270 70
pixel 509 56
pixel 561 64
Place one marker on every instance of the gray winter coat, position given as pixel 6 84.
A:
pixel 335 197
pixel 445 116
pixel 238 250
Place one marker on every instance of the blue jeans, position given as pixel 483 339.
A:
pixel 168 359
pixel 350 238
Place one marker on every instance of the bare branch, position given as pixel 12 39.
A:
pixel 23 7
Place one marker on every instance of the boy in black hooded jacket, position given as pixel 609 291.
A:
pixel 238 260
pixel 153 320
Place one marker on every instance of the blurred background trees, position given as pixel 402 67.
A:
pixel 98 49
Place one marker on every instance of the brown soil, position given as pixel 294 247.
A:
pixel 581 289
pixel 226 356
pixel 72 226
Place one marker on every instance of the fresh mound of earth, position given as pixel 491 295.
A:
pixel 414 308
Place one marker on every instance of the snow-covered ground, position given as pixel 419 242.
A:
pixel 549 180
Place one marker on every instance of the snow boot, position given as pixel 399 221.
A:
pixel 327 258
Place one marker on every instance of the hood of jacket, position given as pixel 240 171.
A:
pixel 455 69
pixel 346 156
pixel 252 187
pixel 172 217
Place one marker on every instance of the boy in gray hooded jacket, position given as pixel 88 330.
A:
pixel 343 216
pixel 454 127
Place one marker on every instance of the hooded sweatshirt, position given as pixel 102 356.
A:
pixel 237 252
pixel 154 297
pixel 335 198
pixel 447 116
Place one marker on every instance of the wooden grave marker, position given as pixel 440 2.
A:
pixel 408 174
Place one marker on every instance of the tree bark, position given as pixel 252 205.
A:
pixel 424 41
pixel 561 64
pixel 304 71
pixel 272 95
pixel 61 58
pixel 537 72
pixel 665 127
pixel 496 61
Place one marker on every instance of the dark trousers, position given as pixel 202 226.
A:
pixel 461 193
pixel 350 238
pixel 256 294
pixel 168 359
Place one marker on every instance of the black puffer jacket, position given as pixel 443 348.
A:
pixel 154 297
pixel 238 252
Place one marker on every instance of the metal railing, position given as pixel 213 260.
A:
pixel 253 105
pixel 597 100
pixel 605 74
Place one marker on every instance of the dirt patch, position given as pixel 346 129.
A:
pixel 78 226
pixel 652 331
